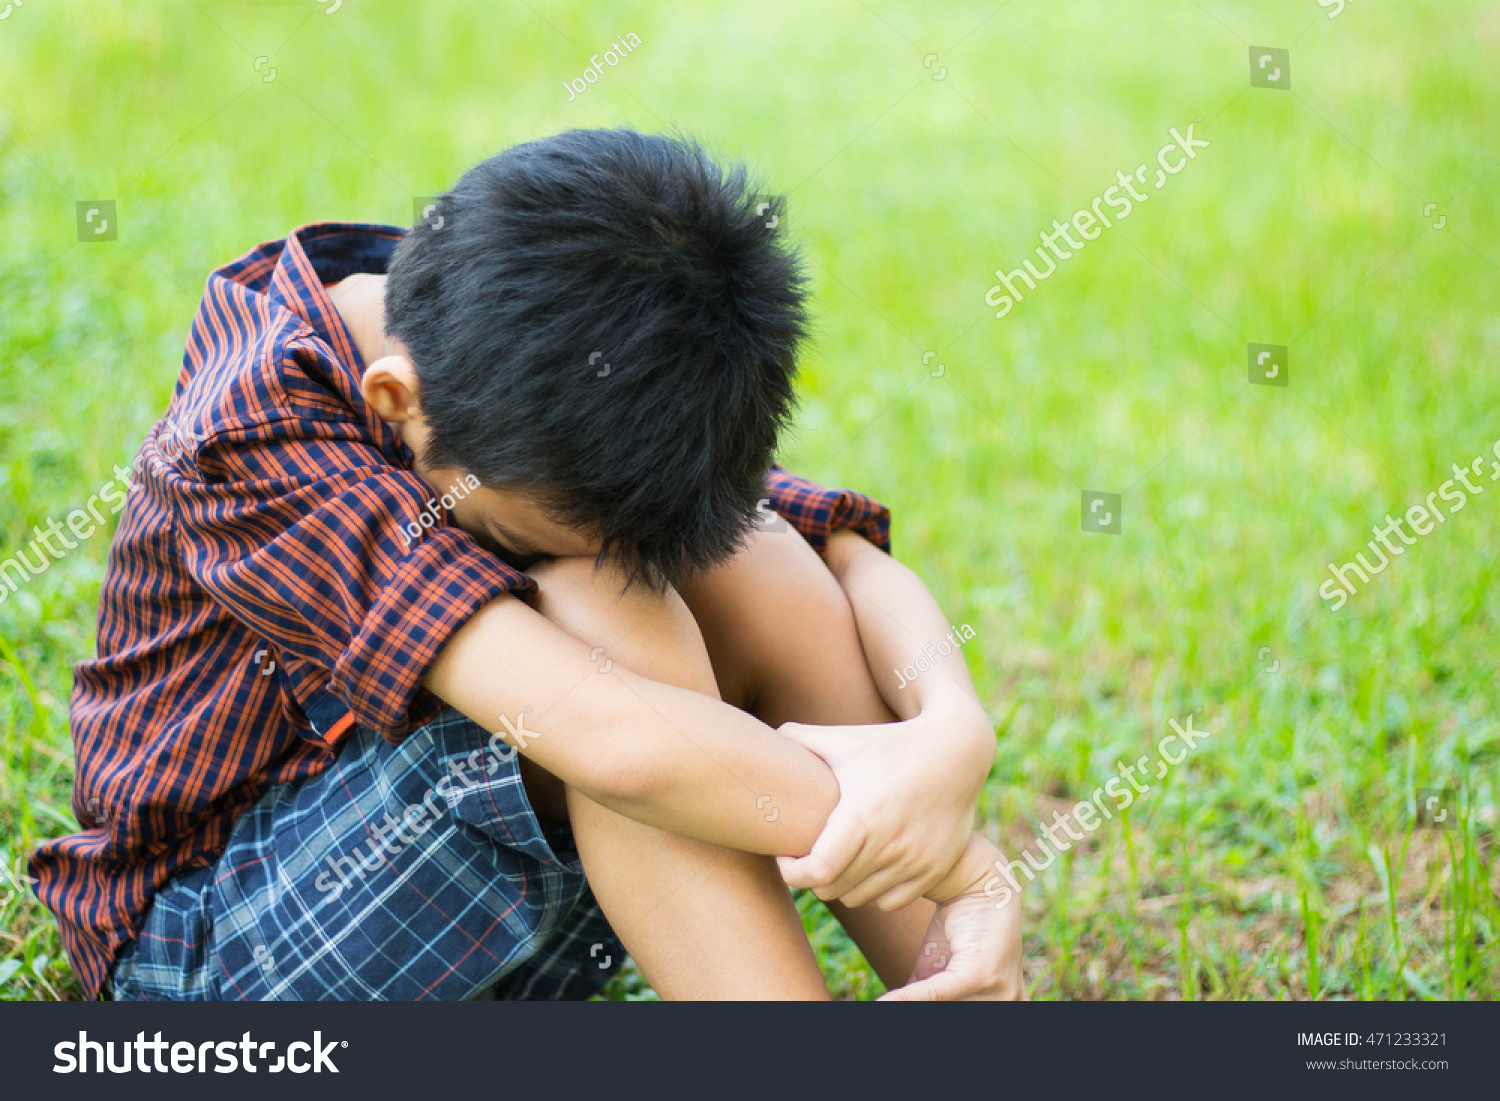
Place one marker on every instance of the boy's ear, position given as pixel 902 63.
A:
pixel 390 387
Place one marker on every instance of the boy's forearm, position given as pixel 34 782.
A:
pixel 899 623
pixel 722 775
pixel 659 754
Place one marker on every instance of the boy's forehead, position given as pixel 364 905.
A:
pixel 521 517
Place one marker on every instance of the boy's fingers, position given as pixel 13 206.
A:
pixel 945 986
pixel 835 848
pixel 786 864
pixel 848 877
pixel 861 893
pixel 804 871
pixel 902 895
pixel 868 862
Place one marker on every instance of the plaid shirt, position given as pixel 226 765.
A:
pixel 260 597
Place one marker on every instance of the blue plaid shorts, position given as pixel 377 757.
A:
pixel 416 871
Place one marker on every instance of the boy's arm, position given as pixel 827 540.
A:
pixel 907 785
pixel 295 529
pixel 899 624
pixel 662 755
pixel 693 765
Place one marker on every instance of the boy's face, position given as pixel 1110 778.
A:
pixel 510 523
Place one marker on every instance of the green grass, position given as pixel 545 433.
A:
pixel 1280 858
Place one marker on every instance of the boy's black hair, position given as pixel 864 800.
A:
pixel 605 318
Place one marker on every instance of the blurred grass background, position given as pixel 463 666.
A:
pixel 1281 858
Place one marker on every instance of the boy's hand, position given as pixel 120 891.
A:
pixel 907 793
pixel 972 950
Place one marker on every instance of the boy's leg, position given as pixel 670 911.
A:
pixel 700 920
pixel 785 647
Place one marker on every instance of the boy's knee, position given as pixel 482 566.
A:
pixel 774 617
pixel 651 633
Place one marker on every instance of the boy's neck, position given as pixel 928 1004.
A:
pixel 360 301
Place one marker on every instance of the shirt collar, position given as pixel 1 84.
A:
pixel 324 253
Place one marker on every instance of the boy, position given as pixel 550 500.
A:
pixel 508 472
